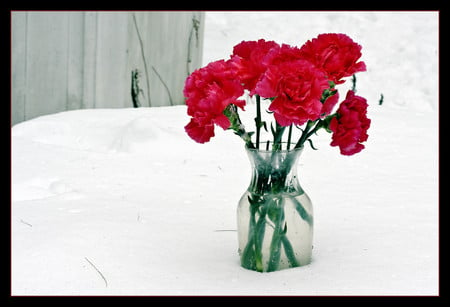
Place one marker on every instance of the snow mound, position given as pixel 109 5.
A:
pixel 137 135
pixel 43 187
pixel 103 131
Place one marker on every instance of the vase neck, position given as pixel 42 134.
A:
pixel 274 172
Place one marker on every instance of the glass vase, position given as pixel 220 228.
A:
pixel 274 215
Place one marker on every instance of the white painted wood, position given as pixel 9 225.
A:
pixel 18 58
pixel 46 59
pixel 111 78
pixel 89 58
pixel 72 60
pixel 168 40
pixel 75 60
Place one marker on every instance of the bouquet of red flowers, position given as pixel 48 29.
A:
pixel 300 84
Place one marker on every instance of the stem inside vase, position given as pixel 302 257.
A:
pixel 275 217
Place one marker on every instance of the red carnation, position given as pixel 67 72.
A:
pixel 208 91
pixel 247 61
pixel 297 87
pixel 350 125
pixel 280 54
pixel 336 54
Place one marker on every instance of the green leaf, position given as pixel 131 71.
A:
pixel 248 257
pixel 380 102
pixel 273 213
pixel 275 244
pixel 326 122
pixel 311 144
pixel 272 129
pixel 289 251
pixel 275 252
pixel 354 83
pixel 327 93
pixel 302 212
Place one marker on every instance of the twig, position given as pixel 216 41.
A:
pixel 165 85
pixel 195 27
pixel 98 271
pixel 143 58
pixel 28 224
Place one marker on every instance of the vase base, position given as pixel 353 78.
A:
pixel 280 268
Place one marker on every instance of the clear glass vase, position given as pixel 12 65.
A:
pixel 275 215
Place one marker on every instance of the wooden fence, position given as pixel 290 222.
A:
pixel 74 60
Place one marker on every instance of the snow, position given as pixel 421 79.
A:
pixel 122 202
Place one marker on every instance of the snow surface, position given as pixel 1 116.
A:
pixel 122 202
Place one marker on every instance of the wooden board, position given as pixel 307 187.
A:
pixel 74 60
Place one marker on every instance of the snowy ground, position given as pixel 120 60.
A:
pixel 122 202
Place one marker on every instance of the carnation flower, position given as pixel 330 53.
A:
pixel 300 87
pixel 281 54
pixel 286 53
pixel 350 125
pixel 247 61
pixel 336 54
pixel 300 84
pixel 208 91
pixel 297 87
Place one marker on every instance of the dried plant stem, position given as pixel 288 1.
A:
pixel 26 223
pixel 98 271
pixel 141 44
pixel 164 84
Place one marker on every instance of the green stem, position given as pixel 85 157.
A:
pixel 248 257
pixel 307 133
pixel 303 213
pixel 319 123
pixel 289 137
pixel 275 244
pixel 259 238
pixel 252 255
pixel 237 126
pixel 258 120
pixel 289 251
pixel 277 136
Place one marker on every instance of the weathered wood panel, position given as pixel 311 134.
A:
pixel 89 59
pixel 18 59
pixel 172 44
pixel 75 60
pixel 72 60
pixel 46 60
pixel 112 81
